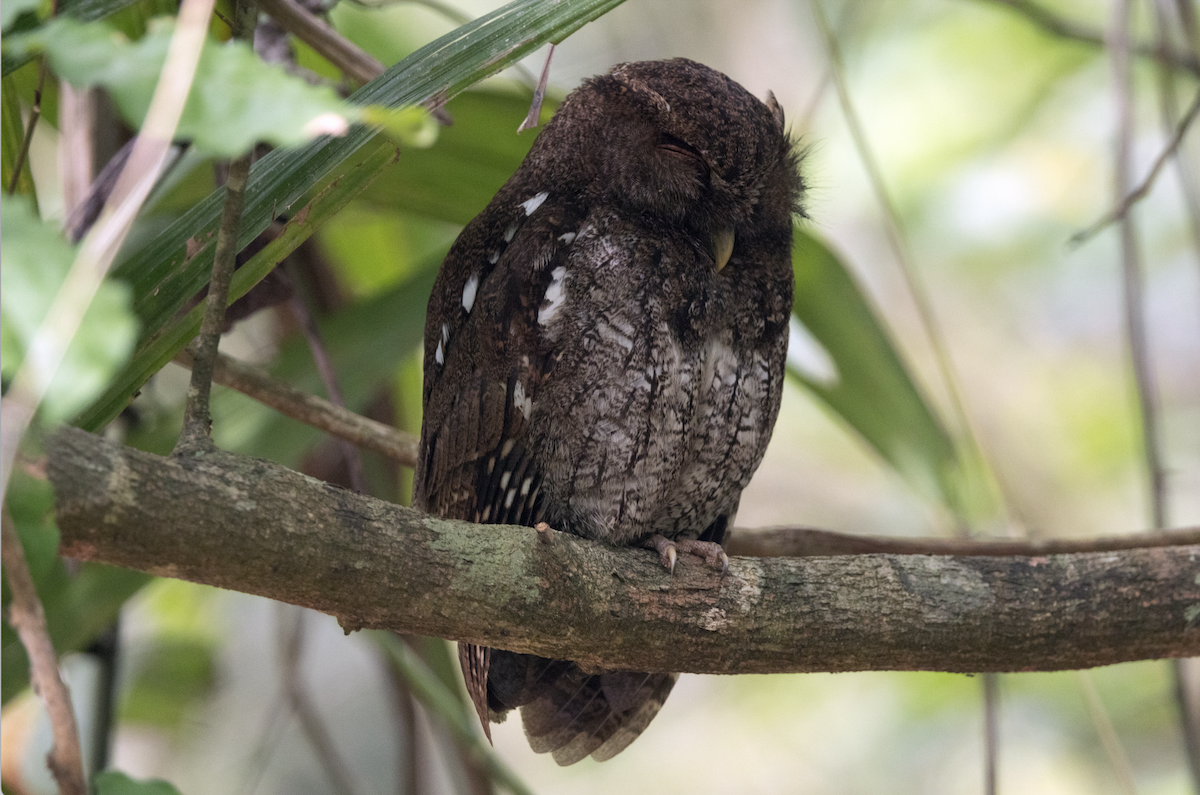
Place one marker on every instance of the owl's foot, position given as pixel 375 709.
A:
pixel 668 552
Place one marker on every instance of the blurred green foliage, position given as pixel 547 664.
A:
pixel 367 269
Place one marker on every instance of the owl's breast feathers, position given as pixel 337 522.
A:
pixel 618 385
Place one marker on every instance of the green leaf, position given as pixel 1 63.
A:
pixel 172 267
pixel 171 676
pixel 13 132
pixel 11 9
pixel 36 261
pixel 236 100
pixel 871 390
pixel 411 126
pixel 114 782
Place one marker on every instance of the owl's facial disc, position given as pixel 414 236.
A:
pixel 722 242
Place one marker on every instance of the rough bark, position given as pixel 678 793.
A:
pixel 253 526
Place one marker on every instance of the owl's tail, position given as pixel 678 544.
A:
pixel 571 713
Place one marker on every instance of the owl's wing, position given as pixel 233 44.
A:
pixel 484 362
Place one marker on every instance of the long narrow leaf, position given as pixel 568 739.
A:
pixel 174 265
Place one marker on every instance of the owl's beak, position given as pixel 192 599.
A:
pixel 722 242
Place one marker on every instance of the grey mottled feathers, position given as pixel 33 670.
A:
pixel 604 351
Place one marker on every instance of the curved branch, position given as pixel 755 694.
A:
pixel 257 527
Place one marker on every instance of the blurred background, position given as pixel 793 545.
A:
pixel 995 141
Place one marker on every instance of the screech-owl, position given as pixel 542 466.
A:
pixel 604 352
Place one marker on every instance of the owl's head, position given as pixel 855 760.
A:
pixel 679 143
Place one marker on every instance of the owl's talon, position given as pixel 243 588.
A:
pixel 668 552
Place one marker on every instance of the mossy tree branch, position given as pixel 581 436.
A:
pixel 253 526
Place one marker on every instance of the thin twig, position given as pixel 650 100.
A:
pixel 1131 198
pixel 1131 268
pixel 902 250
pixel 533 118
pixel 354 463
pixel 50 342
pixel 1184 164
pixel 311 410
pixel 197 422
pixel 35 113
pixel 313 31
pixel 1108 734
pixel 291 637
pixel 1066 29
pixel 269 738
pixel 1187 695
pixel 65 759
pixel 1135 330
pixel 1186 677
pixel 991 731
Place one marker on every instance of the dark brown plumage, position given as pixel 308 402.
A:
pixel 604 351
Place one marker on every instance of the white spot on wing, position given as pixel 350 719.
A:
pixel 532 204
pixel 469 291
pixel 522 401
pixel 508 233
pixel 567 237
pixel 556 295
pixel 438 356
pixel 494 257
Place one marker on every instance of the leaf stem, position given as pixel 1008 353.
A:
pixel 35 113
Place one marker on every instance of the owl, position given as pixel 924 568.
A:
pixel 604 352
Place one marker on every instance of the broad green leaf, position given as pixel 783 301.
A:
pixel 236 101
pixel 114 782
pixel 871 389
pixel 170 269
pixel 36 261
